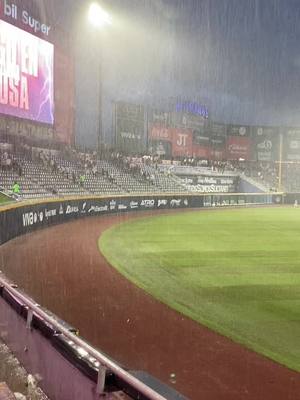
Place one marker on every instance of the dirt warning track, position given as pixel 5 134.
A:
pixel 61 267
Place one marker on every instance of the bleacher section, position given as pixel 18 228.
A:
pixel 39 180
pixel 42 174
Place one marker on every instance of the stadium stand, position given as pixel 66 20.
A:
pixel 44 172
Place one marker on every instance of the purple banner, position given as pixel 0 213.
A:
pixel 26 75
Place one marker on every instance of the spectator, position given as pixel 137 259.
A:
pixel 82 179
pixel 16 189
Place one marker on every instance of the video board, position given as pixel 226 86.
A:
pixel 26 75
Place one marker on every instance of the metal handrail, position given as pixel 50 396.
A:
pixel 105 362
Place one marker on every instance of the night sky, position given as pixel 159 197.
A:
pixel 239 57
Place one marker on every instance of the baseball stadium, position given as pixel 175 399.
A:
pixel 149 245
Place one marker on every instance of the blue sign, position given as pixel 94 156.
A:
pixel 192 108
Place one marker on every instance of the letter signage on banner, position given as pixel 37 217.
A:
pixel 265 143
pixel 157 117
pixel 159 132
pixel 26 75
pixel 129 126
pixel 182 142
pixel 238 130
pixel 215 128
pixel 189 121
pixel 238 147
pixel 291 141
pixel 218 149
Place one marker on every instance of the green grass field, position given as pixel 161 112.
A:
pixel 4 199
pixel 235 271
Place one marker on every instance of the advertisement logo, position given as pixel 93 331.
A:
pixel 175 203
pixel 148 203
pixel 294 144
pixel 265 145
pixel 242 131
pixel 11 10
pixel 72 210
pixel 97 209
pixel 32 218
pixel 112 205
pixel 83 210
pixel 26 75
pixel 182 139
pixel 122 207
pixel 134 204
pixel 163 202
pixel 48 214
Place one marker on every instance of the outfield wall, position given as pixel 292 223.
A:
pixel 43 346
pixel 21 218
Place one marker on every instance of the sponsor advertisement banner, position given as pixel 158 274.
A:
pixel 25 219
pixel 264 148
pixel 238 130
pixel 160 132
pixel 238 147
pixel 182 142
pixel 130 129
pixel 210 184
pixel 264 130
pixel 215 128
pixel 158 117
pixel 189 121
pixel 218 147
pixel 291 137
pixel 130 111
pixel 201 138
pixel 26 75
pixel 265 143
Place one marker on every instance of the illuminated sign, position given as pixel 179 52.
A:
pixel 26 75
pixel 11 10
pixel 192 108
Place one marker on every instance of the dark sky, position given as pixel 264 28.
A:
pixel 240 57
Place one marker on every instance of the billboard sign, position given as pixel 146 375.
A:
pixel 182 142
pixel 265 142
pixel 238 147
pixel 238 130
pixel 26 75
pixel 291 139
pixel 130 129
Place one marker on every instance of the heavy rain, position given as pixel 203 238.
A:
pixel 149 192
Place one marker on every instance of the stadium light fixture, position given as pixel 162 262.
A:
pixel 98 17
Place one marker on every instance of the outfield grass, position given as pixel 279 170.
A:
pixel 236 271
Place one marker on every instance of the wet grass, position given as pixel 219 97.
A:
pixel 235 271
pixel 5 199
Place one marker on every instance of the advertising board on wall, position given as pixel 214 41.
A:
pixel 157 117
pixel 210 184
pixel 238 147
pixel 238 130
pixel 26 75
pixel 129 127
pixel 182 142
pixel 28 218
pixel 265 140
pixel 291 144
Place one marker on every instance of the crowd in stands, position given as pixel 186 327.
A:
pixel 31 171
